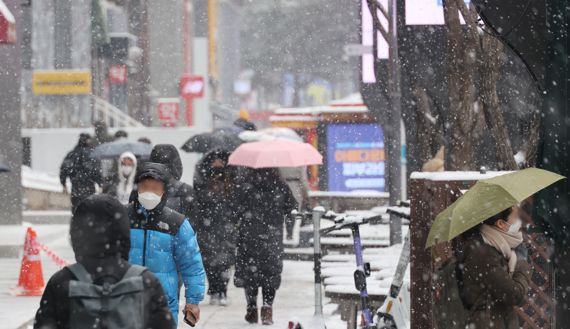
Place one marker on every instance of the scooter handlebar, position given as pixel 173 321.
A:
pixel 346 221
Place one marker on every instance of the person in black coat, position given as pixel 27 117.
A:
pixel 100 238
pixel 180 195
pixel 265 200
pixel 215 217
pixel 83 171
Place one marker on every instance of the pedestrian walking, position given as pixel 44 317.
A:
pixel 163 240
pixel 266 200
pixel 180 195
pixel 124 181
pixel 102 135
pixel 83 171
pixel 75 296
pixel 120 135
pixel 496 274
pixel 214 216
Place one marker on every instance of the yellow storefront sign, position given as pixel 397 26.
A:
pixel 61 82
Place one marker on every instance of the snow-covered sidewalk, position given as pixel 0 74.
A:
pixel 294 301
pixel 15 312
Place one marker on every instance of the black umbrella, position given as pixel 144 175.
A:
pixel 4 168
pixel 522 26
pixel 219 139
pixel 114 150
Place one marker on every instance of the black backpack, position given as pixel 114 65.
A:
pixel 110 306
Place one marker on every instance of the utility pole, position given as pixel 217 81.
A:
pixel 392 129
pixel 213 46
pixel 10 123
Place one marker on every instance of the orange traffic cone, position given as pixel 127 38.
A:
pixel 31 282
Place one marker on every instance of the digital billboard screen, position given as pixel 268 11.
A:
pixel 355 157
pixel 426 12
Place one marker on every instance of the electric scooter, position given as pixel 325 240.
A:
pixel 341 221
pixel 353 222
pixel 390 315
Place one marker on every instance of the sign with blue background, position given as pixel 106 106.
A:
pixel 355 157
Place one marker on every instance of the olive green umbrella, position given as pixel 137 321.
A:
pixel 487 198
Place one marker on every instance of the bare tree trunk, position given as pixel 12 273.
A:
pixel 462 118
pixel 427 126
pixel 531 146
pixel 492 49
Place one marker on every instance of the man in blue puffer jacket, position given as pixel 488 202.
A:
pixel 164 242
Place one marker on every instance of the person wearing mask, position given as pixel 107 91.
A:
pixel 180 195
pixel 215 216
pixel 124 181
pixel 265 201
pixel 83 171
pixel 163 241
pixel 100 239
pixel 496 275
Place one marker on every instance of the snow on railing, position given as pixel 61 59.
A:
pixel 111 115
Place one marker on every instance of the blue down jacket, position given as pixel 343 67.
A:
pixel 164 242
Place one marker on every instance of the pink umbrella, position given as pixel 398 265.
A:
pixel 275 153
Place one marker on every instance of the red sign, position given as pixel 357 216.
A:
pixel 168 111
pixel 118 74
pixel 192 86
pixel 7 25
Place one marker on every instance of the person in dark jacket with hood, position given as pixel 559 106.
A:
pixel 496 274
pixel 215 216
pixel 163 241
pixel 265 201
pixel 83 171
pixel 101 241
pixel 179 195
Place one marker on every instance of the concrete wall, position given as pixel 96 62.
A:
pixel 49 146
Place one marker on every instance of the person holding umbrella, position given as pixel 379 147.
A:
pixel 215 216
pixel 491 267
pixel 265 201
pixel 496 273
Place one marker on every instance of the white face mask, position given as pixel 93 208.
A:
pixel 126 170
pixel 149 200
pixel 515 227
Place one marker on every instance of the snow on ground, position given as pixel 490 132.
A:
pixel 294 301
pixel 457 175
pixel 16 311
pixel 40 181
pixel 353 194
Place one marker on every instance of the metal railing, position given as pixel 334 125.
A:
pixel 110 114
